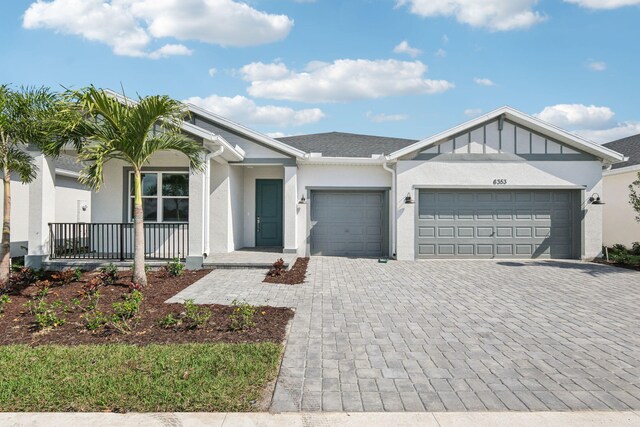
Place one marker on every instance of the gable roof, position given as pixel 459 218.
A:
pixel 606 154
pixel 630 147
pixel 341 144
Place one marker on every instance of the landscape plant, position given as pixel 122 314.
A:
pixel 174 268
pixel 242 316
pixel 115 127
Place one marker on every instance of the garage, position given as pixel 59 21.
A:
pixel 498 224
pixel 348 223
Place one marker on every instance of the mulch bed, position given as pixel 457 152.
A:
pixel 17 324
pixel 294 276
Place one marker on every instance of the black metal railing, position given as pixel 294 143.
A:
pixel 114 241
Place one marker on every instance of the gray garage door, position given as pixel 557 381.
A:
pixel 496 224
pixel 348 223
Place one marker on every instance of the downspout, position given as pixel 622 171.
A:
pixel 394 208
pixel 207 196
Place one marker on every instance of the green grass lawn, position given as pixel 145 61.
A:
pixel 181 377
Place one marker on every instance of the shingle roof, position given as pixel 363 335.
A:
pixel 67 162
pixel 630 147
pixel 340 144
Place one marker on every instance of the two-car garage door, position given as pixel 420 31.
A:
pixel 496 224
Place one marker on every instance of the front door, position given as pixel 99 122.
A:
pixel 269 212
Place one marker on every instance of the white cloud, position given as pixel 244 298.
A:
pixel 441 53
pixel 445 39
pixel 341 80
pixel 170 50
pixel 483 82
pixel 403 47
pixel 212 72
pixel 130 26
pixel 382 117
pixel 604 4
pixel 277 134
pixel 620 130
pixel 597 65
pixel 589 121
pixel 473 112
pixel 495 15
pixel 245 111
pixel 574 116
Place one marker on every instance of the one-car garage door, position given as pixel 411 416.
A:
pixel 348 223
pixel 497 224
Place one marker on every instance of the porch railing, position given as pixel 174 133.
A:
pixel 115 241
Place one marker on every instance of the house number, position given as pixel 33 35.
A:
pixel 499 182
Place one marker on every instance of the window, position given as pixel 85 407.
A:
pixel 165 196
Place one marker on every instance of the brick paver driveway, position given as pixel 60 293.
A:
pixel 451 335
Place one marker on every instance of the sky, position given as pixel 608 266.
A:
pixel 402 68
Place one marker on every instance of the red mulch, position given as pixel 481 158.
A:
pixel 294 276
pixel 17 324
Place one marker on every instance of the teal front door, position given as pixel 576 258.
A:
pixel 269 212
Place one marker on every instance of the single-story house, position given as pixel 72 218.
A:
pixel 620 225
pixel 503 185
pixel 72 202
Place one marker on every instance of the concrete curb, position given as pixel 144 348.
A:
pixel 341 419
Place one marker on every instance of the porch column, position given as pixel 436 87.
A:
pixel 197 189
pixel 290 191
pixel 42 210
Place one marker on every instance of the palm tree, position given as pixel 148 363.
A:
pixel 27 116
pixel 116 127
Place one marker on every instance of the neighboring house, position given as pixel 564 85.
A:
pixel 504 185
pixel 72 202
pixel 620 225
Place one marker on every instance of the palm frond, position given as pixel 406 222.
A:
pixel 21 163
pixel 177 142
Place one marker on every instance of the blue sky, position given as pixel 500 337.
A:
pixel 289 67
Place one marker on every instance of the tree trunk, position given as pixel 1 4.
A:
pixel 139 275
pixel 5 246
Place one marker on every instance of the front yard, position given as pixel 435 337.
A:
pixel 72 341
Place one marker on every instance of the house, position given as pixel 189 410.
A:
pixel 504 185
pixel 72 202
pixel 620 225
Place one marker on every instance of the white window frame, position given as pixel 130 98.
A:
pixel 159 196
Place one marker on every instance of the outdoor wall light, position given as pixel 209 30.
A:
pixel 408 200
pixel 595 199
pixel 303 201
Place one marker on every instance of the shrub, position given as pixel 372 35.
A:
pixel 94 320
pixel 47 315
pixel 91 287
pixel 128 308
pixel 169 321
pixel 109 274
pixel 4 300
pixel 277 269
pixel 23 277
pixel 66 277
pixel 619 248
pixel 174 268
pixel 195 316
pixel 133 286
pixel 242 316
pixel 635 248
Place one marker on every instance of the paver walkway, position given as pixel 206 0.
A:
pixel 451 335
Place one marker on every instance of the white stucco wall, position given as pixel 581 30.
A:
pixel 19 216
pixel 69 194
pixel 466 174
pixel 620 225
pixel 333 176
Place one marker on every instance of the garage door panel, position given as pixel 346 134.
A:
pixel 504 224
pixel 347 223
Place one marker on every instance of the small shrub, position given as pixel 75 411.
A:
pixel 23 277
pixel 109 274
pixel 277 269
pixel 169 321
pixel 94 320
pixel 4 300
pixel 242 316
pixel 619 248
pixel 620 258
pixel 174 268
pixel 66 277
pixel 635 248
pixel 128 308
pixel 135 287
pixel 91 287
pixel 47 315
pixel 195 316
